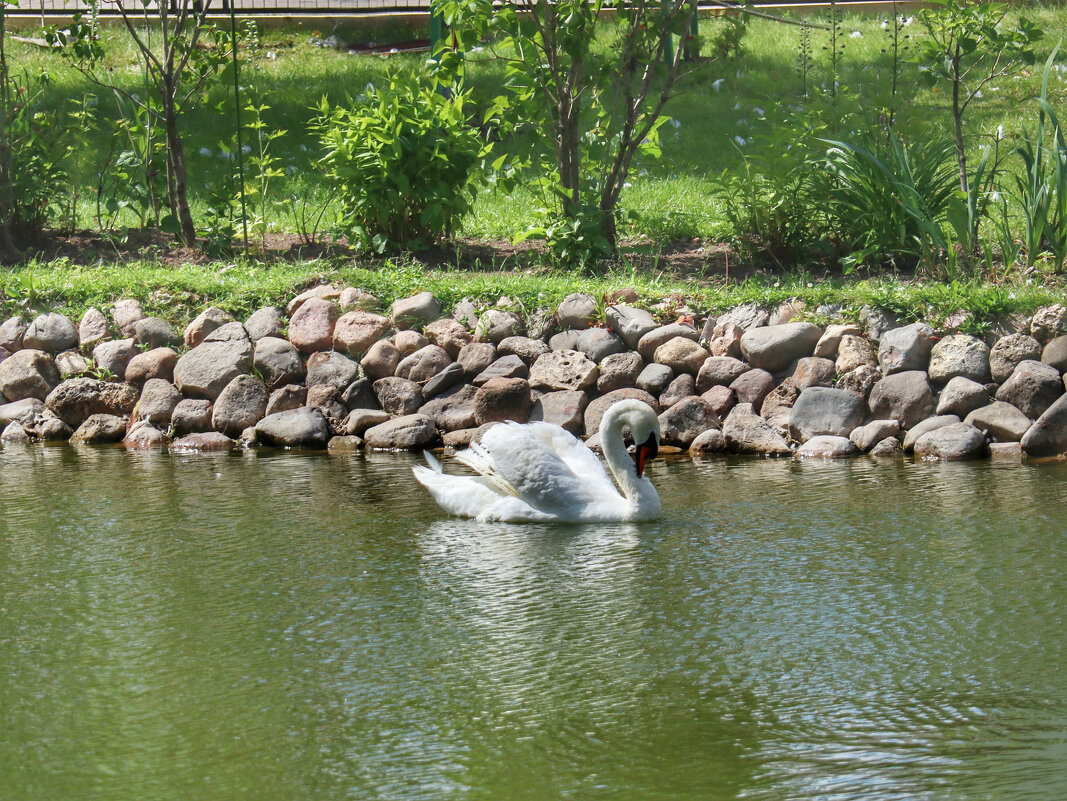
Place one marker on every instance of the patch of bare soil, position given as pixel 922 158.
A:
pixel 713 262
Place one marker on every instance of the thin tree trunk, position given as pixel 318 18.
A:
pixel 7 171
pixel 177 178
pixel 957 117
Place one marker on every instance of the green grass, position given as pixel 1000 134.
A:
pixel 180 293
pixel 669 199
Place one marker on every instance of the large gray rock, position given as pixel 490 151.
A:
pixel 158 400
pixel 71 363
pixel 526 348
pixel 867 436
pixel 28 373
pixel 49 428
pixel 205 371
pixel 682 355
pixel 720 371
pixel 905 397
pixel 496 324
pixel 52 332
pixel 451 411
pixel 648 343
pixel 620 370
pixel 295 428
pixel 20 411
pixel 410 432
pixel 888 448
pixel 356 331
pixel 504 367
pixel 565 408
pixel 1032 388
pixel 155 332
pixel 629 323
pixel 446 379
pixel 596 409
pixel 824 410
pixel 241 404
pixel 852 352
pixel 1049 322
pixel 1007 353
pixel 415 311
pixel 475 357
pixel 815 371
pixel 359 420
pixel 398 396
pixel 777 407
pixel 291 396
pixel 599 343
pixel 686 420
pixel 924 426
pixel 331 369
pixel 93 328
pixel 826 347
pixel 100 428
pixel 155 363
pixel 191 416
pixel 961 396
pixel 201 442
pixel 1000 420
pixel 654 378
pixel 565 340
pixel 502 399
pixel 278 361
pixel 77 399
pixel 711 441
pixel 566 369
pixel 195 333
pixel 951 443
pixel 265 322
pixel 1055 354
pixel 747 432
pixel 12 330
pixel 327 400
pixel 683 386
pixel 1048 435
pixel 113 356
pixel 827 446
pixel 905 348
pixel 753 386
pixel 577 311
pixel 775 347
pixel 381 360
pixel 959 354
pixel 16 433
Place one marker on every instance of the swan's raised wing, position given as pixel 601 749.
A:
pixel 527 461
pixel 578 457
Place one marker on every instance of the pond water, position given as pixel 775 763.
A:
pixel 286 626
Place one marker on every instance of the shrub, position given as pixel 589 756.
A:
pixel 405 163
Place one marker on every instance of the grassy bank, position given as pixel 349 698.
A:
pixel 180 293
pixel 723 108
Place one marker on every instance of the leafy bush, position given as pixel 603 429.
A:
pixel 31 179
pixel 890 200
pixel 405 162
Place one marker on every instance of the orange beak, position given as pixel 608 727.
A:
pixel 646 450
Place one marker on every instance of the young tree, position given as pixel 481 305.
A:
pixel 180 51
pixel 971 44
pixel 589 92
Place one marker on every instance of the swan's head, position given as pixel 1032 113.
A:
pixel 644 428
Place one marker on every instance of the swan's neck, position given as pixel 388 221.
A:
pixel 633 487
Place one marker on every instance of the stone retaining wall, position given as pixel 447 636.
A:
pixel 330 370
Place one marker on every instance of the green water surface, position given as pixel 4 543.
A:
pixel 286 626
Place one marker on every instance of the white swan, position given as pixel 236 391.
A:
pixel 538 472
